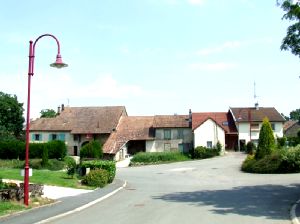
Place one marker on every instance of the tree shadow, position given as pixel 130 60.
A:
pixel 270 201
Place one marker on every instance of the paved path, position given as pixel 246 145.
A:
pixel 207 192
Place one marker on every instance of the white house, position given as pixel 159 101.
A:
pixel 248 121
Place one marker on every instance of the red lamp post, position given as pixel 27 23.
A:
pixel 58 64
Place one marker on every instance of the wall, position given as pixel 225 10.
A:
pixel 209 131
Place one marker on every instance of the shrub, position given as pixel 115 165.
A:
pixel 281 142
pixel 109 166
pixel 157 157
pixel 70 166
pixel 92 150
pixel 266 141
pixel 202 152
pixel 290 160
pixel 54 164
pixel 56 149
pixel 45 157
pixel 96 178
pixel 250 148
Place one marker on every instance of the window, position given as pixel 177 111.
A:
pixel 209 144
pixel 52 137
pixel 62 137
pixel 180 133
pixel 75 150
pixel 167 134
pixel 273 126
pixel 37 137
pixel 254 126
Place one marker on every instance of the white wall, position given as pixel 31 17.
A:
pixel 209 131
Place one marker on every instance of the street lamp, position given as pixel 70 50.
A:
pixel 58 64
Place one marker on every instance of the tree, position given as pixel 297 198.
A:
pixel 295 115
pixel 11 115
pixel 48 113
pixel 266 141
pixel 292 39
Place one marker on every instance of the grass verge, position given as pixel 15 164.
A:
pixel 57 178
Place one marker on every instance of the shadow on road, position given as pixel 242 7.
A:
pixel 270 201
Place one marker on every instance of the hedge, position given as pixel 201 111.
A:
pixel 202 152
pixel 15 149
pixel 157 157
pixel 96 178
pixel 110 166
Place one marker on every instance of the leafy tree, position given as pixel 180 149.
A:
pixel 11 115
pixel 291 41
pixel 48 113
pixel 266 141
pixel 295 115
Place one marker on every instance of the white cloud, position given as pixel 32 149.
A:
pixel 219 49
pixel 220 66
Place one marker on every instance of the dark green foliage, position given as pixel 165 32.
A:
pixel 292 39
pixel 15 149
pixel 92 150
pixel 54 164
pixel 70 166
pixel 281 142
pixel 202 152
pixel 295 114
pixel 11 115
pixel 266 141
pixel 219 147
pixel 285 160
pixel 48 113
pixel 57 149
pixel 157 157
pixel 96 178
pixel 250 148
pixel 293 141
pixel 110 166
pixel 45 157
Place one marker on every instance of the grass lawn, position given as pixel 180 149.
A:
pixel 47 177
pixel 7 207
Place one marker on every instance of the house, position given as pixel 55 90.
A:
pixel 291 128
pixel 248 121
pixel 76 126
pixel 211 128
pixel 149 134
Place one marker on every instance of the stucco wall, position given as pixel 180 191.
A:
pixel 209 131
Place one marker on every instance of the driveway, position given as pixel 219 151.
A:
pixel 205 191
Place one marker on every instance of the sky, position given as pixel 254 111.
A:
pixel 151 56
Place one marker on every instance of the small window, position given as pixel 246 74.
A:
pixel 167 134
pixel 75 137
pixel 52 137
pixel 37 137
pixel 209 144
pixel 273 126
pixel 62 137
pixel 180 133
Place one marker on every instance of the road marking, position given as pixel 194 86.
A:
pixel 293 213
pixel 82 207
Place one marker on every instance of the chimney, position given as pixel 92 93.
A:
pixel 190 118
pixel 256 106
pixel 62 107
pixel 58 110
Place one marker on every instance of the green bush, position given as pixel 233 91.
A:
pixel 281 142
pixel 250 148
pixel 202 152
pixel 157 157
pixel 70 166
pixel 11 163
pixel 96 178
pixel 55 164
pixel 92 150
pixel 56 149
pixel 285 160
pixel 109 166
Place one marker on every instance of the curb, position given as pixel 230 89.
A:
pixel 293 213
pixel 82 207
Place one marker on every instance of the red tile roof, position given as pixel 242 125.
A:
pixel 82 120
pixel 171 121
pixel 129 128
pixel 245 114
pixel 223 119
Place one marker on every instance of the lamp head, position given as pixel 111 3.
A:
pixel 58 63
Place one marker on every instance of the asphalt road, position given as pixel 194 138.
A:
pixel 205 191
